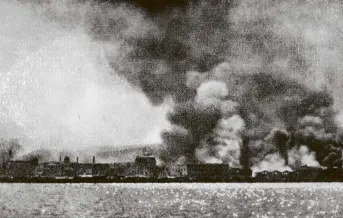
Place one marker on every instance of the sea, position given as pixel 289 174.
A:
pixel 172 200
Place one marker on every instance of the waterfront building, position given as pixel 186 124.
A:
pixel 20 168
pixel 207 171
pixel 146 165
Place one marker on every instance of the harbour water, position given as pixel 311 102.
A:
pixel 172 200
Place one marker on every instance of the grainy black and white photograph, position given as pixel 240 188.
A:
pixel 171 108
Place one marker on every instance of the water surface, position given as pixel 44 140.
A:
pixel 172 200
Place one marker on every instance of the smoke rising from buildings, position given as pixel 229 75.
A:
pixel 273 61
pixel 246 78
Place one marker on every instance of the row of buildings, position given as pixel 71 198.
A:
pixel 66 168
pixel 144 166
pixel 302 174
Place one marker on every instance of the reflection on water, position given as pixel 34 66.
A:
pixel 172 200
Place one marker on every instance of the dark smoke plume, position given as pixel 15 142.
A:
pixel 196 121
pixel 42 155
pixel 262 63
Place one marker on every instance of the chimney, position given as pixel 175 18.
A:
pixel 60 159
pixel 77 160
pixel 93 159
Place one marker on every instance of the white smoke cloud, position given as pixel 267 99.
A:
pixel 228 139
pixel 211 93
pixel 57 90
pixel 226 147
pixel 270 163
pixel 202 155
pixel 302 156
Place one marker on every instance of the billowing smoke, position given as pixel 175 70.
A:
pixel 57 89
pixel 248 78
pixel 253 83
pixel 207 128
pixel 302 157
